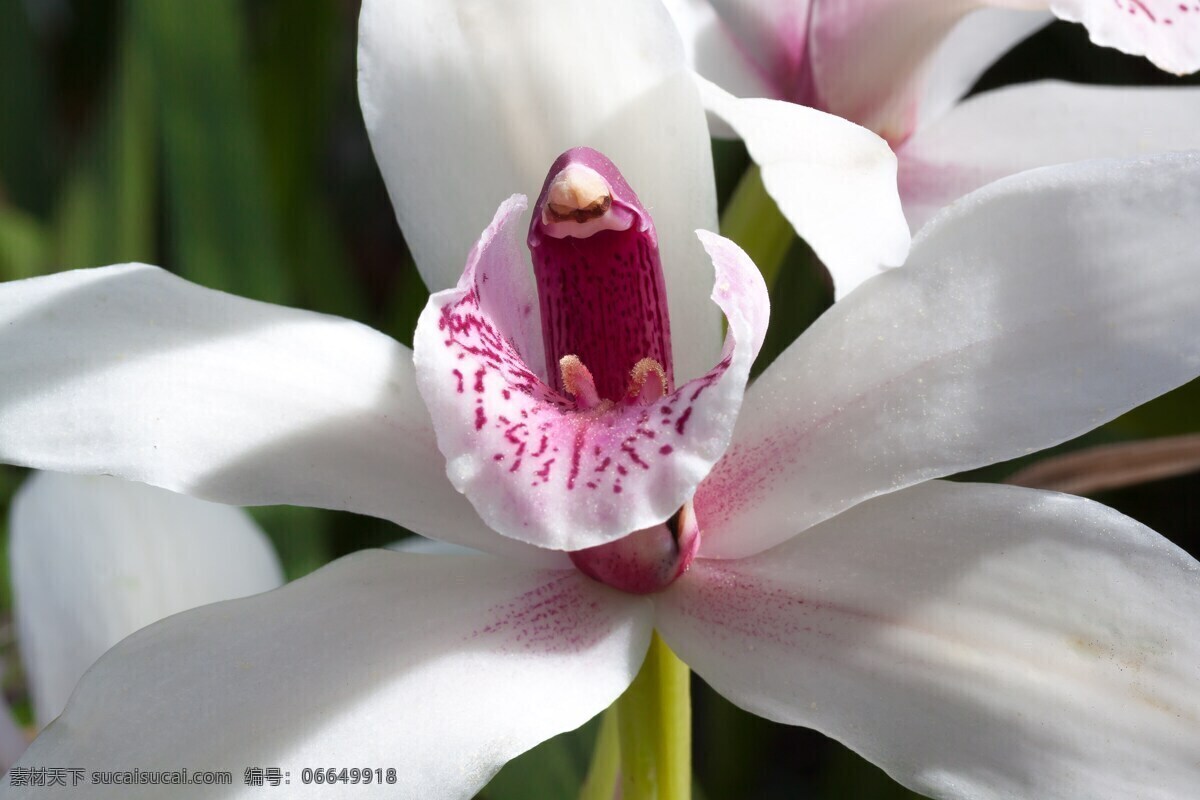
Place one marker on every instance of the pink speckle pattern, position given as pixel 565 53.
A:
pixel 563 615
pixel 745 475
pixel 538 433
pixel 536 468
pixel 734 611
pixel 733 607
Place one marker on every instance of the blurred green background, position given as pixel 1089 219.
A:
pixel 223 140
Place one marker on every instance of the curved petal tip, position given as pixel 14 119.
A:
pixel 1166 32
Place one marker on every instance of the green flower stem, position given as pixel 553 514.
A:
pixel 605 769
pixel 654 720
pixel 752 219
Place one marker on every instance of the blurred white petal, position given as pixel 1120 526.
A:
pixel 974 44
pixel 715 52
pixel 12 738
pixel 94 559
pixel 1002 132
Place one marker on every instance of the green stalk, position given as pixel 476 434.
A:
pixel 752 219
pixel 654 720
pixel 605 769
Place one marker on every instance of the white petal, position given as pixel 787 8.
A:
pixel 12 738
pixel 441 667
pixel 714 51
pixel 419 544
pixel 133 372
pixel 1167 32
pixel 1037 124
pixel 537 468
pixel 752 48
pixel 973 45
pixel 1030 312
pixel 871 58
pixel 975 641
pixel 470 102
pixel 834 181
pixel 94 559
pixel 773 34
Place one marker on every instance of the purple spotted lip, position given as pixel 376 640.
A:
pixel 554 399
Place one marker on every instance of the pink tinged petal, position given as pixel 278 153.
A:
pixel 130 371
pixel 871 58
pixel 1030 312
pixel 537 469
pixel 1034 125
pixel 94 559
pixel 467 102
pixel 834 181
pixel 1167 32
pixel 715 52
pixel 769 35
pixel 975 641
pixel 442 667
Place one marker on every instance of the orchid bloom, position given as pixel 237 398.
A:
pixel 94 559
pixel 970 639
pixel 787 541
pixel 901 68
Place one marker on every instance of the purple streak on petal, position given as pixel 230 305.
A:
pixel 773 36
pixel 563 614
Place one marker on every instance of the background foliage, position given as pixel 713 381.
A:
pixel 223 140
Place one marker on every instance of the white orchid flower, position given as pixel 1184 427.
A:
pixel 975 641
pixel 901 67
pixel 94 559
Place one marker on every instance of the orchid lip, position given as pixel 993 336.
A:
pixel 554 400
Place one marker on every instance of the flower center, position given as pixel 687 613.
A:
pixel 605 324
pixel 645 561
